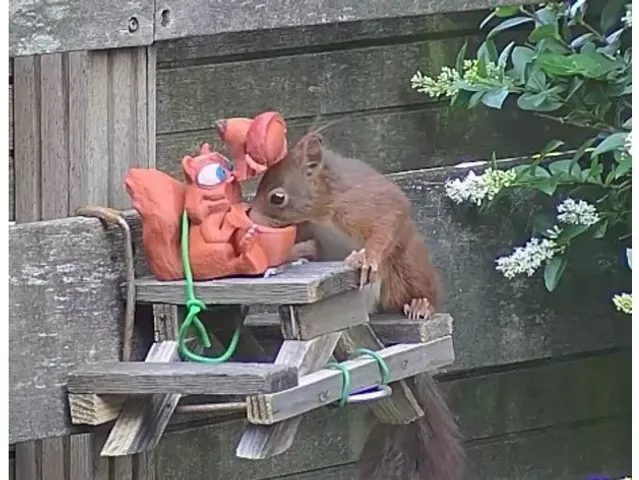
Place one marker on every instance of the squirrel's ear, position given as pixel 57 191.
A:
pixel 313 154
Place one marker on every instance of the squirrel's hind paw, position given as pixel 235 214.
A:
pixel 418 308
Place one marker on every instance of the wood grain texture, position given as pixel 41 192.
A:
pixel 92 409
pixel 71 311
pixel 324 387
pixel 73 25
pixel 91 127
pixel 182 377
pixel 187 18
pixel 307 283
pixel 265 441
pixel 143 419
pixel 402 406
pixel 538 413
pixel 303 322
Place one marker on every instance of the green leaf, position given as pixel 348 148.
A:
pixel 546 16
pixel 611 13
pixel 591 65
pixel 612 142
pixel 475 99
pixel 581 39
pixel 582 149
pixel 547 186
pixel 459 61
pixel 495 98
pixel 552 44
pixel 542 32
pixel 555 64
pixel 506 11
pixel 623 167
pixel 551 147
pixel 629 257
pixel 540 172
pixel 487 19
pixel 553 271
pixel 538 102
pixel 601 229
pixel 565 170
pixel 521 57
pixel 537 80
pixel 506 24
pixel 569 232
pixel 627 124
pixel 505 53
pixel 488 51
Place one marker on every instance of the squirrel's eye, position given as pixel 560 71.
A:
pixel 277 198
pixel 211 175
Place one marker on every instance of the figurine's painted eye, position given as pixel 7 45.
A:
pixel 211 175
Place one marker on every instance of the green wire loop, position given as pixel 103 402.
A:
pixel 383 368
pixel 346 385
pixel 194 306
pixel 346 375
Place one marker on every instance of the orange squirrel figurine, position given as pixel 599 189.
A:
pixel 224 238
pixel 347 206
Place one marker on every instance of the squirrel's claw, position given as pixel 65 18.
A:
pixel 419 308
pixel 368 268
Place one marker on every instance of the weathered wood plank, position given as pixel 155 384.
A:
pixel 261 441
pixel 143 419
pixel 64 286
pixel 408 138
pixel 325 386
pixel 38 28
pixel 178 19
pixel 306 283
pixel 389 328
pixel 402 406
pixel 26 117
pixel 248 45
pixel 92 409
pixel 492 409
pixel 303 322
pixel 182 377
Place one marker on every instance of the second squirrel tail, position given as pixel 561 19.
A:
pixel 428 448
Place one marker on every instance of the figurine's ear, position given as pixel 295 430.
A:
pixel 189 168
pixel 313 154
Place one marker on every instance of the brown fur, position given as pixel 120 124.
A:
pixel 331 195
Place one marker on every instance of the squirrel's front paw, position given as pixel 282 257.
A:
pixel 368 267
pixel 418 308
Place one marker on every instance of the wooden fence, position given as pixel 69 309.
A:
pixel 541 384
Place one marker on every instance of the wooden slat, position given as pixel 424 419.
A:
pixel 303 322
pixel 262 441
pixel 73 25
pixel 182 377
pixel 187 17
pixel 325 386
pixel 143 419
pixel 302 284
pixel 92 409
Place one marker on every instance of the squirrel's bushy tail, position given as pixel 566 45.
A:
pixel 430 448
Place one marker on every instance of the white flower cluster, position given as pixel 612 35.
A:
pixel 628 143
pixel 475 188
pixel 623 302
pixel 577 213
pixel 527 259
pixel 444 84
pixel 627 19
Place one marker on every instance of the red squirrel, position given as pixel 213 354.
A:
pixel 354 213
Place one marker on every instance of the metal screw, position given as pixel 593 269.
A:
pixel 404 364
pixel 323 396
pixel 133 24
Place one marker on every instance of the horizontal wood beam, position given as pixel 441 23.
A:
pixel 183 377
pixel 324 387
pixel 67 25
pixel 301 284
